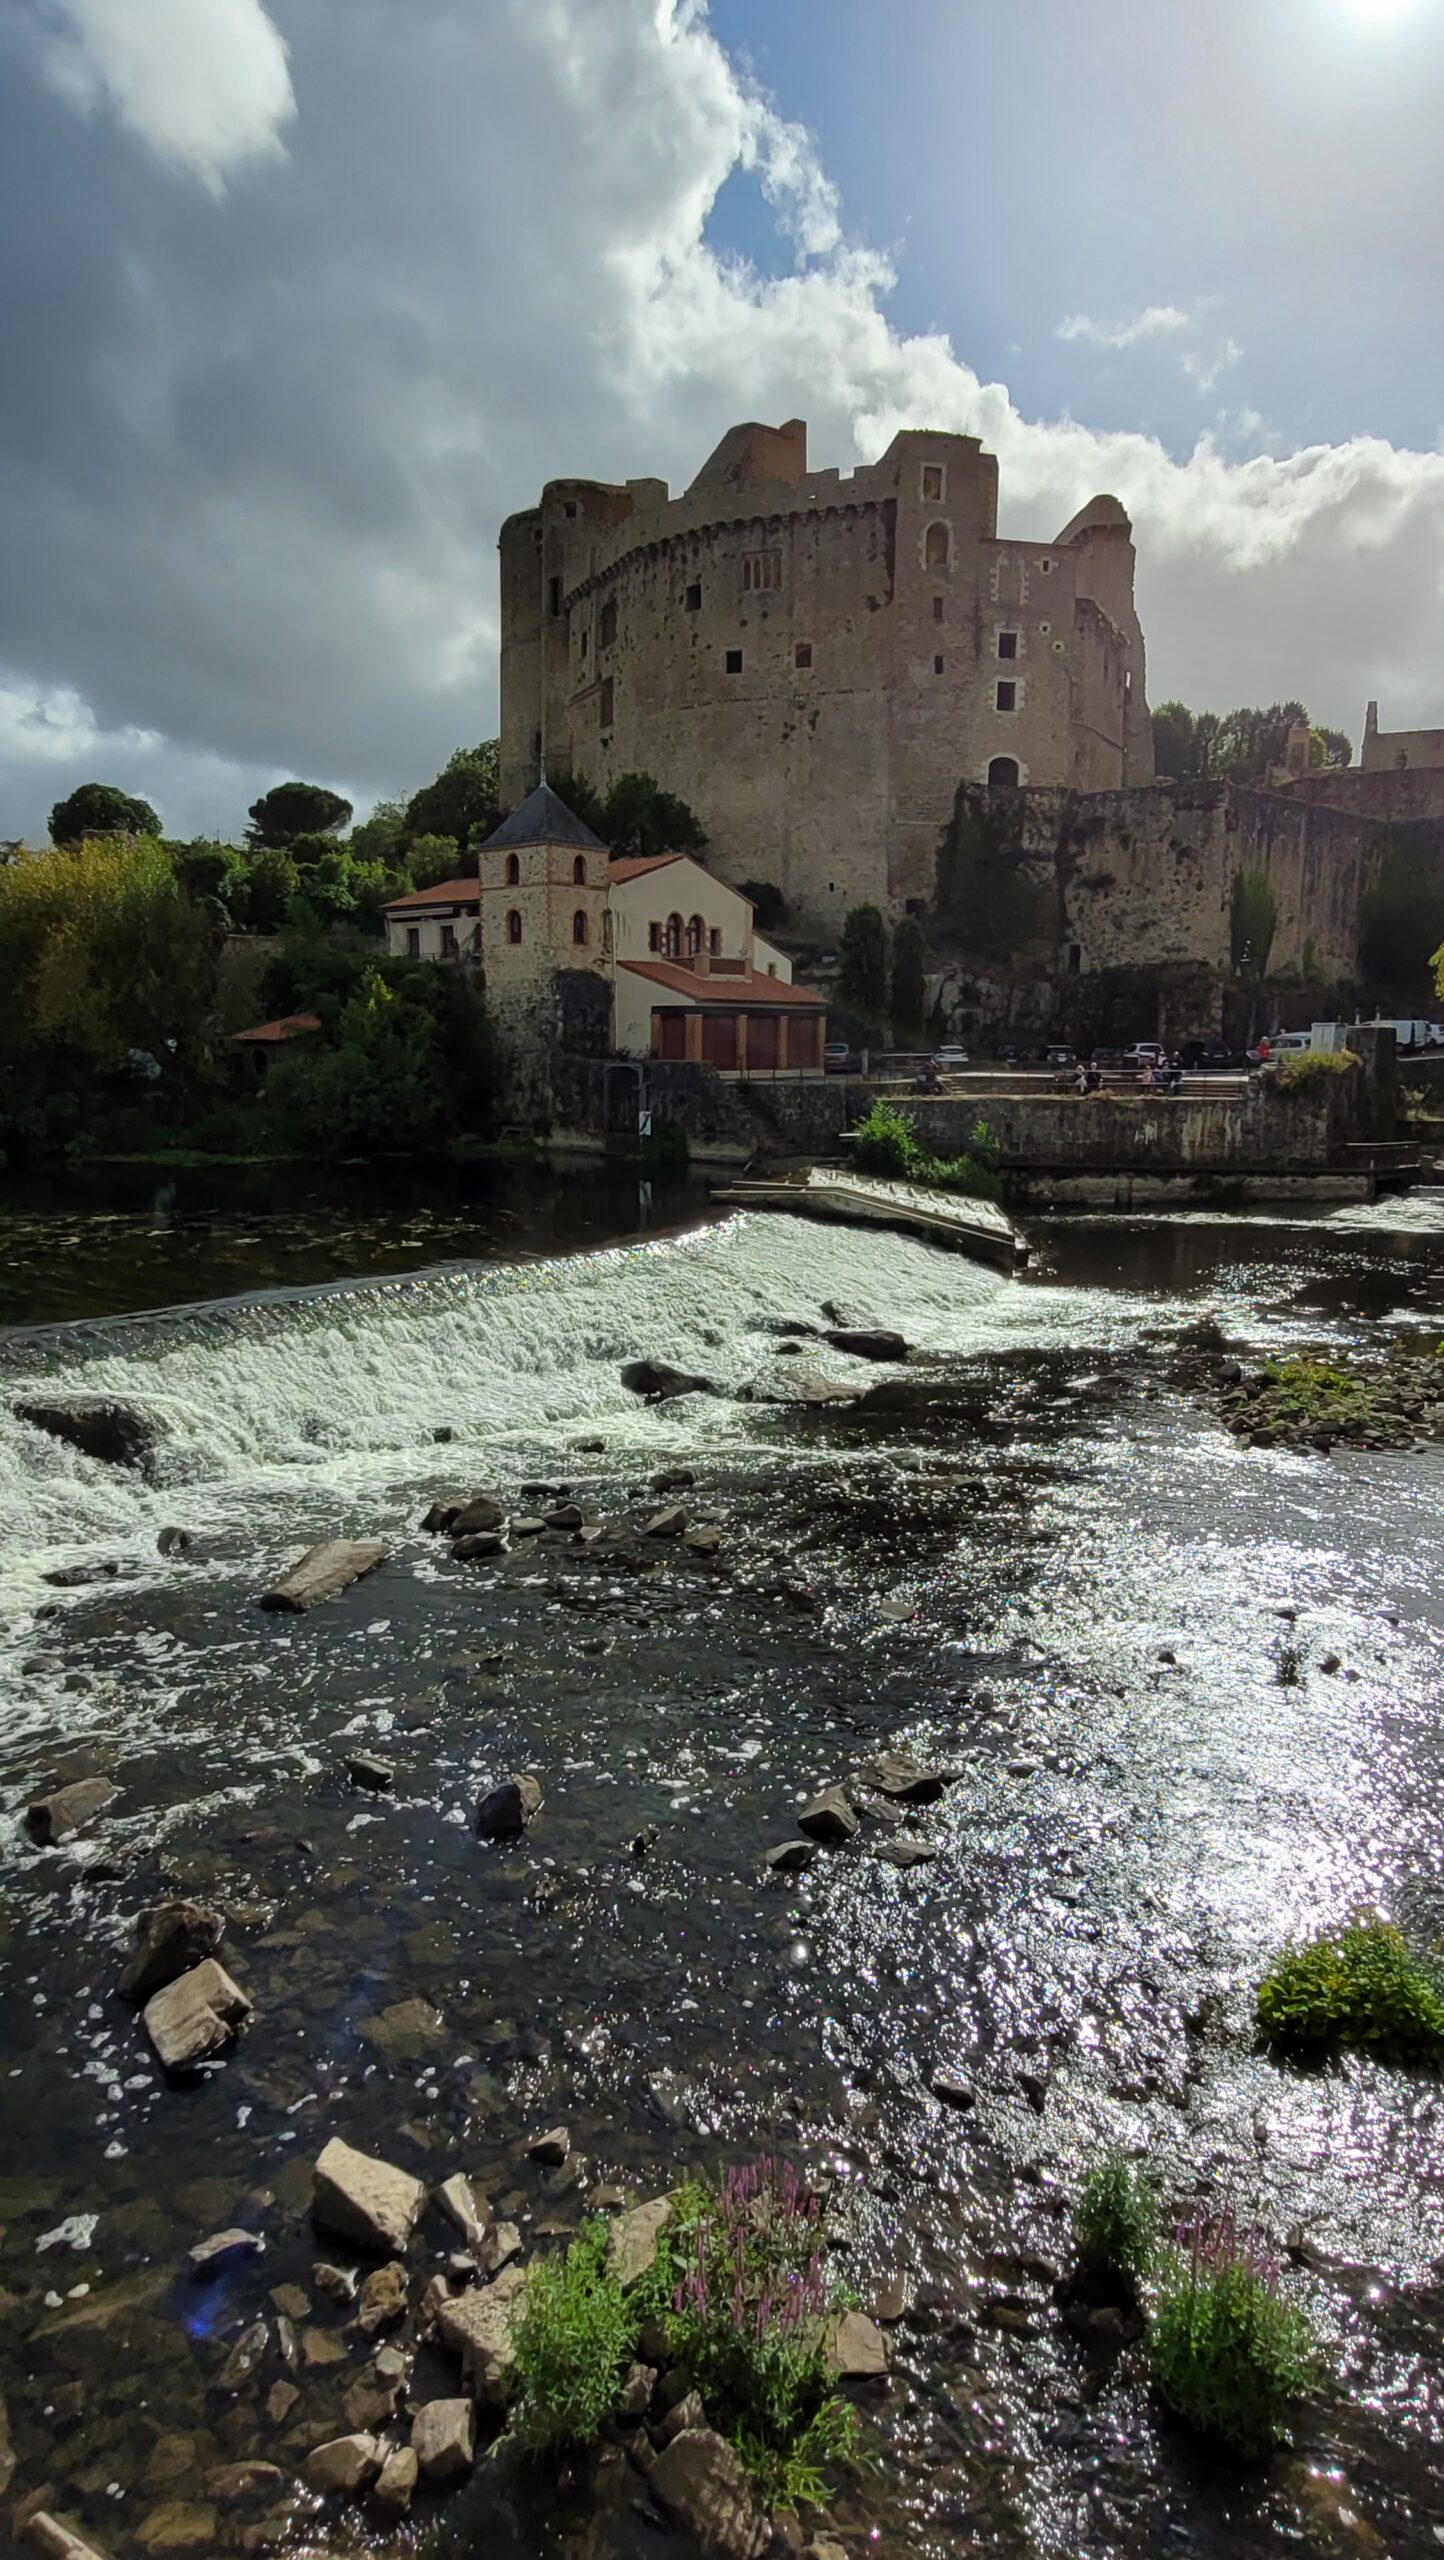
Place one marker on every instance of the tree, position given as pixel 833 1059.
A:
pixel 463 801
pixel 1401 923
pixel 106 954
pixel 1236 746
pixel 380 837
pixel 768 903
pixel 640 819
pixel 1252 921
pixel 429 860
pixel 271 885
pixel 909 991
pixel 981 897
pixel 295 809
pixel 405 1061
pixel 583 801
pixel 99 809
pixel 216 873
pixel 862 973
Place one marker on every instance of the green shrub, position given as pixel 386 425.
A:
pixel 1115 2228
pixel 1228 2356
pixel 749 2316
pixel 573 2339
pixel 1313 1066
pixel 885 1142
pixel 1318 1391
pixel 1360 1985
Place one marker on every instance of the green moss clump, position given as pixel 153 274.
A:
pixel 1318 1391
pixel 1362 1985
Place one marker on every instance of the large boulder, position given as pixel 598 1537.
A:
pixel 196 2015
pixel 443 2438
pixel 857 2349
pixel 503 1814
pixel 98 1426
pixel 829 1817
pixel 323 1571
pixel 73 1808
pixel 700 2480
pixel 170 1939
pixel 657 1380
pixel 343 2466
pixel 482 1511
pixel 363 2200
pixel 477 2326
pixel 866 1342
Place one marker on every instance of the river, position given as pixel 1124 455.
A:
pixel 1190 1689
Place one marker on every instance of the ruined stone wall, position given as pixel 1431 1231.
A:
pixel 1382 798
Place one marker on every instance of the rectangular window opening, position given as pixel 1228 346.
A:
pixel 604 703
pixel 448 942
pixel 802 654
pixel 694 596
pixel 413 942
pixel 569 507
pixel 1007 697
pixel 733 662
pixel 937 608
pixel 607 627
pixel 1007 644
pixel 937 666
pixel 932 480
pixel 554 597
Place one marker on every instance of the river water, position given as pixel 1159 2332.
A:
pixel 1191 1692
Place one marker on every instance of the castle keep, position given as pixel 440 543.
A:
pixel 814 659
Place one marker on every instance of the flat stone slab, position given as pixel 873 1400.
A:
pixel 700 2480
pixel 323 1571
pixel 364 2200
pixel 222 2249
pixel 55 1817
pixel 857 2349
pixel 632 2243
pixel 198 2014
pixel 46 2533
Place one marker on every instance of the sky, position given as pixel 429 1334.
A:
pixel 302 297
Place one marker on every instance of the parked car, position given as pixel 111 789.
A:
pixel 839 1060
pixel 1145 1053
pixel 1059 1056
pixel 948 1060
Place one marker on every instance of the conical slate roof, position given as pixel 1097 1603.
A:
pixel 544 819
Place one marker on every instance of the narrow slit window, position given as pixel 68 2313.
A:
pixel 607 625
pixel 694 596
pixel 932 482
pixel 605 702
pixel 802 654
pixel 513 924
pixel 937 666
pixel 937 608
pixel 580 930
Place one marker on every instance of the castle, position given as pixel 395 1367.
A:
pixel 815 660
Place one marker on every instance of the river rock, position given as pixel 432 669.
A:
pixel 657 1380
pixel 337 2283
pixel 635 2397
pixel 179 2526
pixel 904 1853
pixel 171 1938
pixel 457 2197
pixel 792 1857
pixel 951 2092
pixel 477 2326
pixel 222 2249
pixel 828 1817
pixel 236 2484
pixel 480 1511
pixel 501 2245
pixel 98 1426
pixel 244 2357
pixel 701 2481
pixel 322 1571
pixel 479 1544
pixel 46 2533
pixel 906 1781
pixel 383 2298
pixel 564 1515
pixel 443 2438
pixel 198 2014
pixel 674 1480
pixel 439 1518
pixel 857 2349
pixel 363 2200
pixel 73 1808
pixel 343 2466
pixel 507 1810
pixel 632 2241
pixel 551 2150
pixel 867 1343
pixel 393 2490
pixel 704 1540
pixel 173 1541
pixel 666 1524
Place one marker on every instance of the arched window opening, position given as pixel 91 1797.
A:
pixel 580 929
pixel 513 870
pixel 513 924
pixel 1003 773
pixel 579 871
pixel 674 937
pixel 936 547
pixel 696 937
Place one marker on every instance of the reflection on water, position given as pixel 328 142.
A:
pixel 1050 1573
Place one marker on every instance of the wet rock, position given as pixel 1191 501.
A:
pixel 443 2439
pixel 501 2245
pixel 704 1540
pixel 439 1518
pixel 56 2541
pixel 179 2526
pixel 405 2031
pixel 563 1515
pixel 1034 2085
pixel 364 2200
pixel 383 2299
pixel 337 2283
pixel 323 1571
pixel 635 2397
pixel 479 1545
pixel 904 1853
pixel 686 2412
pixel 370 2404
pixel 377 1777
pixel 244 2357
pixel 222 2249
pixel 174 1542
pixel 483 1511
pixel 343 2466
pixel 632 2242
pixel 951 2092
pixel 791 1857
pixel 857 2349
pixel 507 1810
pixel 666 1524
pixel 316 2348
pixel 809 1386
pixel 701 2481
pixel 657 1380
pixel 69 1809
pixel 99 1427
pixel 528 1525
pixel 242 2484
pixel 897 1775
pixel 75 1577
pixel 198 2014
pixel 828 1817
pixel 171 1938
pixel 444 1431
pixel 280 2401
pixel 674 1480
pixel 477 2326
pixel 7 2450
pixel 394 2489
pixel 552 2149
pixel 588 1448
pixel 867 1342
pixel 457 2198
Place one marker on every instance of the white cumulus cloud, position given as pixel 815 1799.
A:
pixel 1160 320
pixel 205 84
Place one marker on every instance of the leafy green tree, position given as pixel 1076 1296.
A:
pixel 462 801
pixel 1252 922
pixel 981 897
pixel 583 801
pixel 909 1001
pixel 428 860
pixel 862 971
pixel 271 883
pixel 380 837
pixel 99 809
pixel 374 1090
pixel 106 953
pixel 641 819
pixel 1236 746
pixel 1401 923
pixel 217 873
pixel 294 809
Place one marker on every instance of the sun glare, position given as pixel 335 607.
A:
pixel 1377 9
